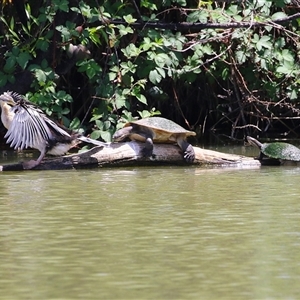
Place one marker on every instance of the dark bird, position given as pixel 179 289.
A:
pixel 28 127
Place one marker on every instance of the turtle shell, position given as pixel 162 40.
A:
pixel 162 128
pixel 281 150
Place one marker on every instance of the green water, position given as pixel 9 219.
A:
pixel 150 233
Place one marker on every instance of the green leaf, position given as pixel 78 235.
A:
pixel 293 94
pixel 129 19
pixel 128 67
pixel 180 2
pixel 131 51
pixel 4 21
pixel 207 49
pixel 162 59
pixel 3 79
pixel 155 77
pixel 90 67
pixel 42 44
pixel 161 72
pixel 11 78
pixel 65 32
pixel 124 30
pixel 146 113
pixel 12 23
pixel 264 43
pixel 286 68
pixel 287 55
pixel 94 34
pixel 96 134
pixel 75 124
pixel 120 101
pixel 198 16
pixel 148 4
pixel 44 64
pixel 240 56
pixel 61 5
pixel 142 98
pixel 23 59
pixel 106 136
pixel 9 66
pixel 225 73
pixel 40 75
pixel 15 51
pixel 278 15
pixel 279 43
pixel 64 111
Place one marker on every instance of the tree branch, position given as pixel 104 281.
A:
pixel 195 27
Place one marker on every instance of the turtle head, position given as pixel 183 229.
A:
pixel 122 134
pixel 254 142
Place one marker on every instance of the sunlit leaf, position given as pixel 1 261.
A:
pixel 278 15
pixel 129 19
pixel 154 77
pixel 264 42
pixel 75 123
pixel 40 75
pixel 142 98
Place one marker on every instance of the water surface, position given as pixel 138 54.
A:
pixel 150 233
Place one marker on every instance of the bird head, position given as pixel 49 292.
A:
pixel 9 98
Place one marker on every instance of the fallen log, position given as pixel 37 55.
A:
pixel 129 154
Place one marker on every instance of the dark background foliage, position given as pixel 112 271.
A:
pixel 222 67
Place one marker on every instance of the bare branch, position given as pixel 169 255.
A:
pixel 195 27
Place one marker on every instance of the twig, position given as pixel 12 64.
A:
pixel 178 105
pixel 248 125
pixel 137 9
pixel 239 86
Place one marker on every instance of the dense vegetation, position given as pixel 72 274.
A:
pixel 229 67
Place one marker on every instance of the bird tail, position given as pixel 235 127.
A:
pixel 92 141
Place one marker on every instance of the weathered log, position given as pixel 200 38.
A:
pixel 129 154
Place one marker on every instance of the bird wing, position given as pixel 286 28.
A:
pixel 28 128
pixel 56 128
pixel 51 125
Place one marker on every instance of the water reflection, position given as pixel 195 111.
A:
pixel 150 233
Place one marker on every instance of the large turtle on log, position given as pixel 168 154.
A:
pixel 157 130
pixel 275 153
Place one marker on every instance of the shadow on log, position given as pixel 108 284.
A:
pixel 128 154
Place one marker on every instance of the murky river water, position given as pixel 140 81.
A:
pixel 150 233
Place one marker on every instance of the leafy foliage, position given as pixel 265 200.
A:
pixel 239 77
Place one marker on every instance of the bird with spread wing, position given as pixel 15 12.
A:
pixel 28 127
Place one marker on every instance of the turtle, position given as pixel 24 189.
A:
pixel 157 130
pixel 275 152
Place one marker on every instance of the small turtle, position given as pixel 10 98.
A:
pixel 275 152
pixel 157 130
